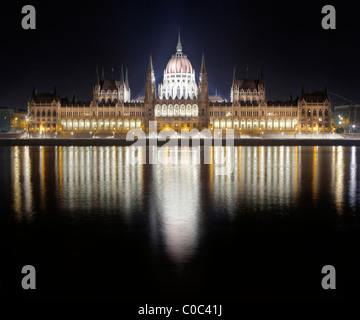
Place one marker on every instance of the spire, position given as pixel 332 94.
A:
pixel 261 81
pixel 179 47
pixel 150 69
pixel 203 68
pixel 122 73
pixel 102 75
pixel 150 89
pixel 55 94
pixel 126 77
pixel 234 74
pixel 216 92
pixel 203 84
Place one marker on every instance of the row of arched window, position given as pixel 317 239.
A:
pixel 314 113
pixel 43 114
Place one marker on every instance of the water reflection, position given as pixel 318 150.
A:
pixel 22 189
pixel 175 203
pixel 352 179
pixel 173 199
pixel 263 177
pixel 99 178
pixel 338 178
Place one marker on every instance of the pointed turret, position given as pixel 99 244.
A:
pixel 179 47
pixel 203 75
pixel 234 75
pixel 150 89
pixel 203 67
pixel 122 73
pixel 55 93
pixel 33 95
pixel 261 80
pixel 204 93
pixel 126 77
pixel 102 75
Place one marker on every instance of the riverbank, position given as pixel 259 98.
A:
pixel 180 142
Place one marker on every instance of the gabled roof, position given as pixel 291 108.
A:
pixel 108 85
pixel 216 99
pixel 45 97
pixel 247 84
pixel 113 84
pixel 316 96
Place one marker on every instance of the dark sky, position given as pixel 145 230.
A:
pixel 284 38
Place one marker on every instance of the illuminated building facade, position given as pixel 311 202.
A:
pixel 179 103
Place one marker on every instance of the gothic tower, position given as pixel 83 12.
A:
pixel 203 96
pixel 150 94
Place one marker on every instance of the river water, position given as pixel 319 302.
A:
pixel 96 225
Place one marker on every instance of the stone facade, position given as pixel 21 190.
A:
pixel 181 103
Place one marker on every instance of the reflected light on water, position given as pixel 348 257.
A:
pixel 315 174
pixel 352 179
pixel 338 178
pixel 262 177
pixel 175 203
pixel 22 189
pixel 171 198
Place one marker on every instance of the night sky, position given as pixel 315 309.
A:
pixel 284 39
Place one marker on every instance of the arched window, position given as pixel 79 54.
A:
pixel 43 114
pixel 119 113
pixel 320 112
pixel 314 113
pixel 49 114
pixel 38 114
pixel 326 112
pixel 32 114
pixel 303 112
pixel 149 111
pixel 309 113
pixel 54 113
pixel 235 112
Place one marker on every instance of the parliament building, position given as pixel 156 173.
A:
pixel 179 102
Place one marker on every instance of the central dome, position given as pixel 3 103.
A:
pixel 179 77
pixel 179 63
